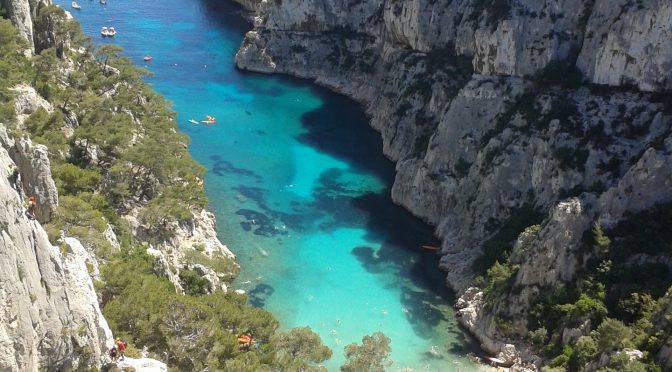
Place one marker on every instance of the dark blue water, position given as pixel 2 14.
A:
pixel 299 186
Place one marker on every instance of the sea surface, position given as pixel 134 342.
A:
pixel 299 186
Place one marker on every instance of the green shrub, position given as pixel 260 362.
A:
pixel 192 283
pixel 218 263
pixel 584 352
pixel 499 245
pixel 72 180
pixel 370 356
pixel 612 335
pixel 539 336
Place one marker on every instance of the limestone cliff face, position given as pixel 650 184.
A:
pixel 50 317
pixel 468 96
pixel 22 14
pixel 171 256
pixel 49 314
pixel 471 146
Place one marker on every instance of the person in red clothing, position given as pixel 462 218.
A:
pixel 121 346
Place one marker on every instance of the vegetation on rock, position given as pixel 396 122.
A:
pixel 115 151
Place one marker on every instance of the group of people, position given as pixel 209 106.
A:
pixel 117 351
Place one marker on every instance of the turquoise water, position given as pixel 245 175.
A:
pixel 299 186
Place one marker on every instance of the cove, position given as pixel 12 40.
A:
pixel 299 186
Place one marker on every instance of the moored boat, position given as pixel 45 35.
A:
pixel 104 31
pixel 74 5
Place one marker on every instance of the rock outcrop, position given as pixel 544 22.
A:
pixel 32 160
pixel 133 365
pixel 49 314
pixel 23 14
pixel 33 163
pixel 196 237
pixel 489 110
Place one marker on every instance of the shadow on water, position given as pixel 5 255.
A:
pixel 222 167
pixel 340 129
pixel 226 15
pixel 269 221
pixel 258 295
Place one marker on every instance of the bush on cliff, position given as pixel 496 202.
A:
pixel 619 300
pixel 197 332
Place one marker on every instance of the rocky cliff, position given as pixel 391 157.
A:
pixel 50 314
pixel 49 311
pixel 23 15
pixel 500 115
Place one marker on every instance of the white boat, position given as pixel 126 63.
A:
pixel 103 2
pixel 74 5
pixel 111 31
pixel 104 31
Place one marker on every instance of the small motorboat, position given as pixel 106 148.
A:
pixel 111 31
pixel 104 31
pixel 103 2
pixel 193 121
pixel 147 58
pixel 74 5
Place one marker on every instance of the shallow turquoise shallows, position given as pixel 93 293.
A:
pixel 298 183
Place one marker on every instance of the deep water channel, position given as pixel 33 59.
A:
pixel 298 183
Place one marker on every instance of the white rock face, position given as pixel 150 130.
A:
pixel 141 365
pixel 20 14
pixel 49 314
pixel 198 234
pixel 475 140
pixel 28 101
pixel 35 169
pixel 629 43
